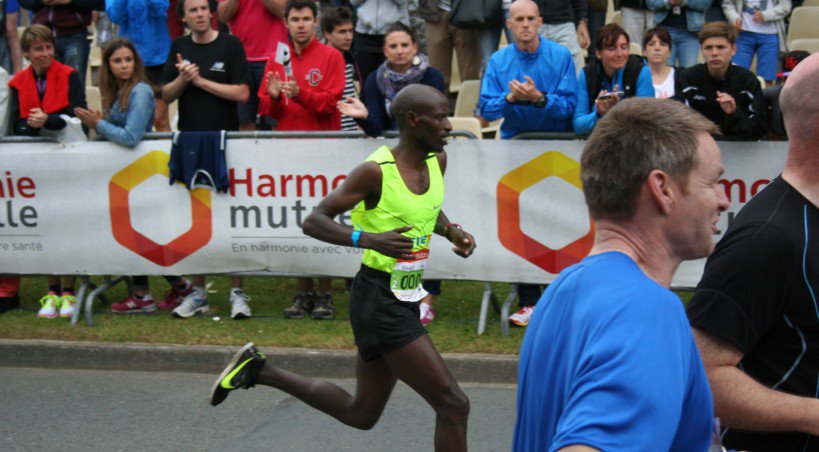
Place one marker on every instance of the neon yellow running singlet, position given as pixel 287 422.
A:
pixel 399 207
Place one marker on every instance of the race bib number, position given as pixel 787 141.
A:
pixel 405 280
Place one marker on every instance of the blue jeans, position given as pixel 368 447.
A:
pixel 73 50
pixel 489 41
pixel 684 48
pixel 766 48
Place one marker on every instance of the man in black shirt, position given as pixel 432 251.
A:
pixel 727 94
pixel 755 313
pixel 207 71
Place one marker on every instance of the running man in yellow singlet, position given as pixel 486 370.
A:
pixel 395 197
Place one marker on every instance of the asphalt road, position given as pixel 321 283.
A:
pixel 58 409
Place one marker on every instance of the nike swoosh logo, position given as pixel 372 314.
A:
pixel 226 381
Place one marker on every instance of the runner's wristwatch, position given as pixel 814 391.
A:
pixel 540 103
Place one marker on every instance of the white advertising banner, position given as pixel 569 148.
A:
pixel 97 208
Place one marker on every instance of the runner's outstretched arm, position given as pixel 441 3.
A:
pixel 362 184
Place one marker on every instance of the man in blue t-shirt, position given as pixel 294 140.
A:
pixel 608 361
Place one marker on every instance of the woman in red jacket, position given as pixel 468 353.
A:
pixel 44 90
pixel 39 95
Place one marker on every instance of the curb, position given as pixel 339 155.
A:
pixel 474 368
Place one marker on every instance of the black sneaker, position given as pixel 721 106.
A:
pixel 323 309
pixel 241 372
pixel 302 304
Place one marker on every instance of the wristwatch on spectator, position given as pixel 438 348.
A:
pixel 540 103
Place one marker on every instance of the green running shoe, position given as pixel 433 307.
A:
pixel 241 372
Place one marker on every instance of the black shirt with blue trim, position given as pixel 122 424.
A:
pixel 759 294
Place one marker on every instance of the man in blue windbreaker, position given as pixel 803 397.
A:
pixel 531 84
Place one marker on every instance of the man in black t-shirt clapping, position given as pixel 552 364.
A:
pixel 208 72
pixel 755 313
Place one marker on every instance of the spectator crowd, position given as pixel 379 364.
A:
pixel 305 65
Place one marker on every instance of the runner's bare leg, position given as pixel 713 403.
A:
pixel 374 384
pixel 420 366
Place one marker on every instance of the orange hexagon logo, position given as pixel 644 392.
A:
pixel 510 187
pixel 156 162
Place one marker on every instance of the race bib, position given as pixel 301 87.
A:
pixel 405 280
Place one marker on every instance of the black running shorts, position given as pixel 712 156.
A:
pixel 381 323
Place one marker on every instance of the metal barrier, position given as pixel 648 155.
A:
pixel 571 136
pixel 565 136
pixel 245 135
pixel 489 296
pixel 16 139
pixel 89 291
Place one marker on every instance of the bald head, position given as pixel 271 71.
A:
pixel 414 98
pixel 523 7
pixel 524 21
pixel 800 108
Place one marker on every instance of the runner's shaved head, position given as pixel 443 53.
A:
pixel 414 98
pixel 800 107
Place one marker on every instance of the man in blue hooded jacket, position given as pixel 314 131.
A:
pixel 531 84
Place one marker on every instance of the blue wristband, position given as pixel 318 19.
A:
pixel 356 235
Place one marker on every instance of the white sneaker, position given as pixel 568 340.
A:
pixel 67 305
pixel 194 303
pixel 49 306
pixel 521 318
pixel 238 305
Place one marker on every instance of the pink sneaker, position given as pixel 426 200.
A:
pixel 174 297
pixel 521 318
pixel 427 314
pixel 134 304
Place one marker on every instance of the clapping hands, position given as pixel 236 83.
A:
pixel 187 70
pixel 523 91
pixel 353 108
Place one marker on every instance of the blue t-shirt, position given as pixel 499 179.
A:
pixel 608 361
